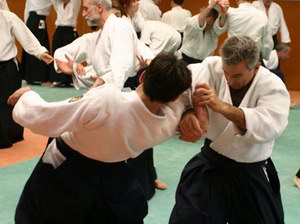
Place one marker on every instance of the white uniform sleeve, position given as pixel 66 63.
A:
pixel 284 32
pixel 53 119
pixel 266 42
pixel 79 51
pixel 269 118
pixel 273 61
pixel 27 40
pixel 220 30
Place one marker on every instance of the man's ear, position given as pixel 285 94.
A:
pixel 100 7
pixel 256 67
pixel 142 77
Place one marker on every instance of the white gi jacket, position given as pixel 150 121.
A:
pixel 115 51
pixel 273 61
pixel 160 37
pixel 248 20
pixel 198 43
pixel 12 28
pixel 149 10
pixel 266 109
pixel 66 16
pixel 105 124
pixel 276 20
pixel 176 17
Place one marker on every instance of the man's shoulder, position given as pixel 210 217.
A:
pixel 268 79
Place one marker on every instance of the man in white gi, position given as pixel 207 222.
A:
pixel 276 20
pixel 233 180
pixel 82 176
pixel 176 17
pixel 12 29
pixel 200 35
pixel 149 9
pixel 116 45
pixel 248 20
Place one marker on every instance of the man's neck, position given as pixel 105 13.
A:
pixel 153 106
pixel 173 5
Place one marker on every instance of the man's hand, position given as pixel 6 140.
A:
pixel 14 98
pixel 65 67
pixel 97 81
pixel 142 63
pixel 80 70
pixel 223 5
pixel 204 95
pixel 189 127
pixel 47 58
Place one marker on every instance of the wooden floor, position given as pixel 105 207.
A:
pixel 34 145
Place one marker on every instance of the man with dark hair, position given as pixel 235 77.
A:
pixel 83 176
pixel 233 179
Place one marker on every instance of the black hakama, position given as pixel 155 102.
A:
pixel 214 189
pixel 81 190
pixel 63 35
pixel 10 81
pixel 33 69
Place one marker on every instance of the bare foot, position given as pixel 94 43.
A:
pixel 297 182
pixel 47 84
pixel 160 185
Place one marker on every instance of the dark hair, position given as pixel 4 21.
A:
pixel 166 78
pixel 178 2
pixel 214 13
pixel 117 5
pixel 124 4
pixel 281 47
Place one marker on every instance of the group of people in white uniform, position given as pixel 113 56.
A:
pixel 237 105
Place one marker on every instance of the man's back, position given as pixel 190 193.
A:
pixel 247 20
pixel 149 10
pixel 160 37
pixel 276 20
pixel 176 17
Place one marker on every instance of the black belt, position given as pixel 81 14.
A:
pixel 221 161
pixel 33 13
pixel 3 63
pixel 65 28
pixel 190 60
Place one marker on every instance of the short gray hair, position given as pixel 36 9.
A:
pixel 106 3
pixel 236 49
